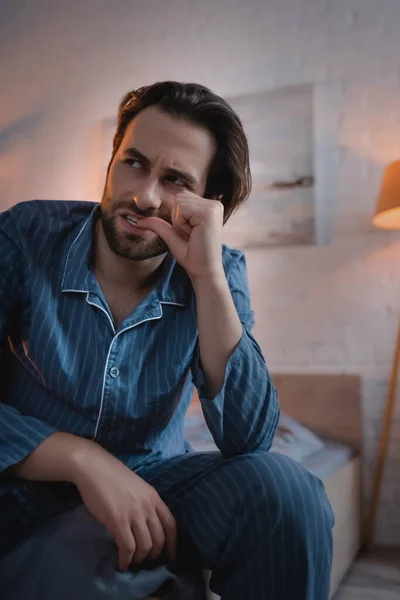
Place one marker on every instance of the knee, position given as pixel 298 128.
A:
pixel 284 493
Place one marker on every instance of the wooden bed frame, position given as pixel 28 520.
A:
pixel 330 405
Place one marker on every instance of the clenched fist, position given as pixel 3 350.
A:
pixel 195 236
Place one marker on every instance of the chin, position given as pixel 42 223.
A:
pixel 130 245
pixel 135 248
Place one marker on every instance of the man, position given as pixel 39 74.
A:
pixel 112 313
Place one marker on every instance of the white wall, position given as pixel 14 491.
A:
pixel 65 65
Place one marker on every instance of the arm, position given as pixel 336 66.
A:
pixel 239 401
pixel 130 509
pixel 29 448
pixel 19 434
pixel 55 459
pixel 219 328
pixel 243 415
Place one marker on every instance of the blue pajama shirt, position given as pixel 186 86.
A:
pixel 66 368
pixel 128 389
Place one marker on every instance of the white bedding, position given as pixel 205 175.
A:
pixel 325 462
pixel 320 457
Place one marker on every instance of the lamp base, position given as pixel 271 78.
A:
pixel 383 447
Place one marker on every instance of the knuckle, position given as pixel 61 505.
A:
pixel 146 547
pixel 159 537
pixel 154 497
pixel 169 522
pixel 216 207
pixel 148 503
pixel 130 547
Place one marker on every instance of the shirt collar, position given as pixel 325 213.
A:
pixel 173 287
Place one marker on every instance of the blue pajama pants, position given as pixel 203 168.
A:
pixel 259 521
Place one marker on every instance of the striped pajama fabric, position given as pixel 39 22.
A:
pixel 259 521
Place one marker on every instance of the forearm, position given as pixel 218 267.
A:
pixel 55 459
pixel 239 400
pixel 243 416
pixel 219 327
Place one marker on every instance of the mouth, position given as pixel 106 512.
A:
pixel 129 222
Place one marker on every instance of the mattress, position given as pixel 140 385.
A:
pixel 319 456
pixel 332 456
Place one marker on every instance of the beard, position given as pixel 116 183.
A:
pixel 129 245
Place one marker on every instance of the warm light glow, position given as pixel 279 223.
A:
pixel 387 214
pixel 390 219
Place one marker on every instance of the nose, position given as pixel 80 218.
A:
pixel 148 197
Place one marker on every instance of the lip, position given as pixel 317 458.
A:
pixel 144 233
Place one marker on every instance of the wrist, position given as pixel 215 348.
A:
pixel 57 458
pixel 215 280
pixel 81 457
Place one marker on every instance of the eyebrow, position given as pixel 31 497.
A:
pixel 188 177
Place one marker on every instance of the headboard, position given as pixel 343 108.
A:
pixel 329 404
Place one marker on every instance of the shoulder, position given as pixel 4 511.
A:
pixel 50 217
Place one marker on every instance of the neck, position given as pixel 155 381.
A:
pixel 119 272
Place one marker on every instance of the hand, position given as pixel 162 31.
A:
pixel 195 236
pixel 131 510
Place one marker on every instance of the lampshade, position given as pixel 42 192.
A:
pixel 387 213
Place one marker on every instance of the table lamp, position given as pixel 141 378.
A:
pixel 387 216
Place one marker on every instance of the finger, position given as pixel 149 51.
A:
pixel 197 213
pixel 189 214
pixel 156 225
pixel 126 548
pixel 143 540
pixel 193 198
pixel 176 243
pixel 157 535
pixel 169 526
pixel 180 222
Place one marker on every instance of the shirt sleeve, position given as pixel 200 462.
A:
pixel 244 415
pixel 19 434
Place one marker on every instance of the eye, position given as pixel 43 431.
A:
pixel 134 162
pixel 177 180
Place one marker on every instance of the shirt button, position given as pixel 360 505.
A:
pixel 114 372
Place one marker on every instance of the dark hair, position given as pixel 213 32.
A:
pixel 230 172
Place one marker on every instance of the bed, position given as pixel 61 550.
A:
pixel 328 405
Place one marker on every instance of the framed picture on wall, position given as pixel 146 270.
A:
pixel 281 207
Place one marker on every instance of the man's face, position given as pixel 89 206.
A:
pixel 159 157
